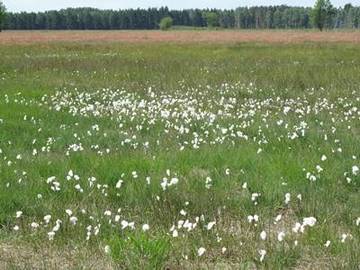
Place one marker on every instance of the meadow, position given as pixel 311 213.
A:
pixel 169 155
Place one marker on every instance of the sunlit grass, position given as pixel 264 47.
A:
pixel 278 110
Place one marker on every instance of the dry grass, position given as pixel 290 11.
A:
pixel 19 255
pixel 220 37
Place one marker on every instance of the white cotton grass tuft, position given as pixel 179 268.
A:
pixel 357 221
pixel 210 225
pixel 309 221
pixel 201 251
pixel 287 198
pixel 175 233
pixel 355 170
pixel 34 225
pixel 263 235
pixel 107 249
pixel 18 214
pixel 145 227
pixel 262 253
pixel 47 218
pixel 281 236
pixel 73 220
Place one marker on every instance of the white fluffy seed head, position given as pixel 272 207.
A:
pixel 201 251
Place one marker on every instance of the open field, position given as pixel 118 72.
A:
pixel 180 36
pixel 177 155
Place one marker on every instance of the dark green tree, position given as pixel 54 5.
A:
pixel 211 18
pixel 166 23
pixel 266 17
pixel 2 15
pixel 322 14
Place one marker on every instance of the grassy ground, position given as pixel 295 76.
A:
pixel 208 145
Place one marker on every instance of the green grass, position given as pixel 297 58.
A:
pixel 309 73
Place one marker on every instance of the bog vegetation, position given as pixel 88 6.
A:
pixel 130 156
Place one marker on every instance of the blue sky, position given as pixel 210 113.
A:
pixel 40 5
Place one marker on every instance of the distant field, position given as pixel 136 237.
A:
pixel 179 36
pixel 154 155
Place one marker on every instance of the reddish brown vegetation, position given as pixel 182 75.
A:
pixel 24 37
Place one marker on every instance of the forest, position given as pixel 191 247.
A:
pixel 259 17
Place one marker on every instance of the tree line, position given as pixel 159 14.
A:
pixel 259 17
